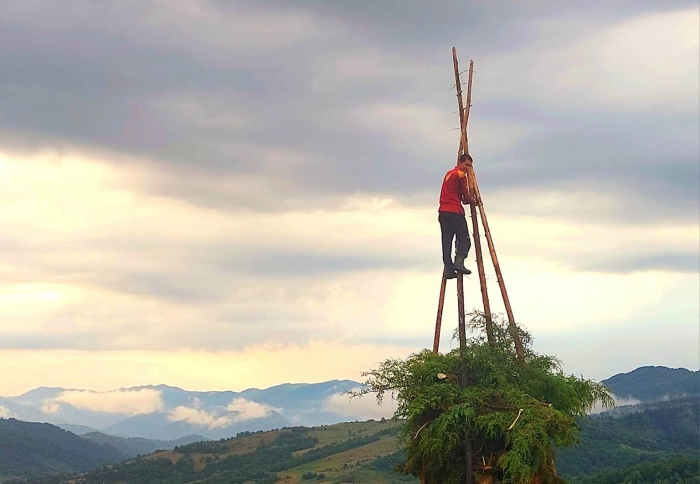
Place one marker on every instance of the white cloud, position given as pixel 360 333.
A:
pixel 198 416
pixel 248 410
pixel 239 410
pixel 5 412
pixel 645 63
pixel 619 402
pixel 360 408
pixel 128 402
pixel 51 407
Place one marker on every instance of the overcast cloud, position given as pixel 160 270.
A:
pixel 219 176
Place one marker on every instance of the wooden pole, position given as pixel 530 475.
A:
pixel 463 148
pixel 482 274
pixel 438 322
pixel 513 328
pixel 469 469
pixel 463 145
pixel 475 220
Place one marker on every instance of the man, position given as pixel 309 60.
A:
pixel 454 193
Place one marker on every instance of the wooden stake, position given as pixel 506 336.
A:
pixel 463 148
pixel 438 322
pixel 475 221
pixel 469 470
pixel 482 274
pixel 499 275
pixel 463 119
pixel 462 330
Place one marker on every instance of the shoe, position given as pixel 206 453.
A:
pixel 450 274
pixel 459 266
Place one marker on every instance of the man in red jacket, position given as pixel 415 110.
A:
pixel 454 193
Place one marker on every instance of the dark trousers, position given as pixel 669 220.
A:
pixel 453 225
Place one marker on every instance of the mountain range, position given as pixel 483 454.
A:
pixel 168 413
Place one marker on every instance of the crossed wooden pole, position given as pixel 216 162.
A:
pixel 474 191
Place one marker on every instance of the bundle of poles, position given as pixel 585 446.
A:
pixel 474 191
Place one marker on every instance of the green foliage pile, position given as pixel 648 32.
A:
pixel 511 415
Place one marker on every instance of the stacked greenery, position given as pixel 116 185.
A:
pixel 482 405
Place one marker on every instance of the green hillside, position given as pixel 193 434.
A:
pixel 133 446
pixel 348 452
pixel 658 433
pixel 28 449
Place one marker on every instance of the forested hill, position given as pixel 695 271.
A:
pixel 28 448
pixel 659 433
pixel 653 383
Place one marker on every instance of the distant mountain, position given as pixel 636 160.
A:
pixel 28 448
pixel 653 383
pixel 167 413
pixel 133 446
pixel 159 425
pixel 77 429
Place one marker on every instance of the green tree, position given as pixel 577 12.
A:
pixel 483 404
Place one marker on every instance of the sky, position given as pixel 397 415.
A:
pixel 219 195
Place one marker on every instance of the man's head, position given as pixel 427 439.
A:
pixel 465 162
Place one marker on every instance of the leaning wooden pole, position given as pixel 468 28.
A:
pixel 463 145
pixel 438 322
pixel 482 273
pixel 513 328
pixel 475 220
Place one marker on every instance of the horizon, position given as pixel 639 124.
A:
pixel 225 195
pixel 190 390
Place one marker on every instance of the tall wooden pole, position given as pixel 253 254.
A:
pixel 513 328
pixel 463 145
pixel 463 148
pixel 475 220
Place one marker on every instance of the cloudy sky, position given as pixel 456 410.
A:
pixel 226 194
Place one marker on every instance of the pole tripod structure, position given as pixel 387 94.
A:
pixel 474 190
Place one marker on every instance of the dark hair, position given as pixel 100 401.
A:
pixel 464 158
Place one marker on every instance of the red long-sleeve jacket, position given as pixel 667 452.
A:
pixel 454 190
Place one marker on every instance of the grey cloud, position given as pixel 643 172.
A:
pixel 290 263
pixel 252 95
pixel 620 263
